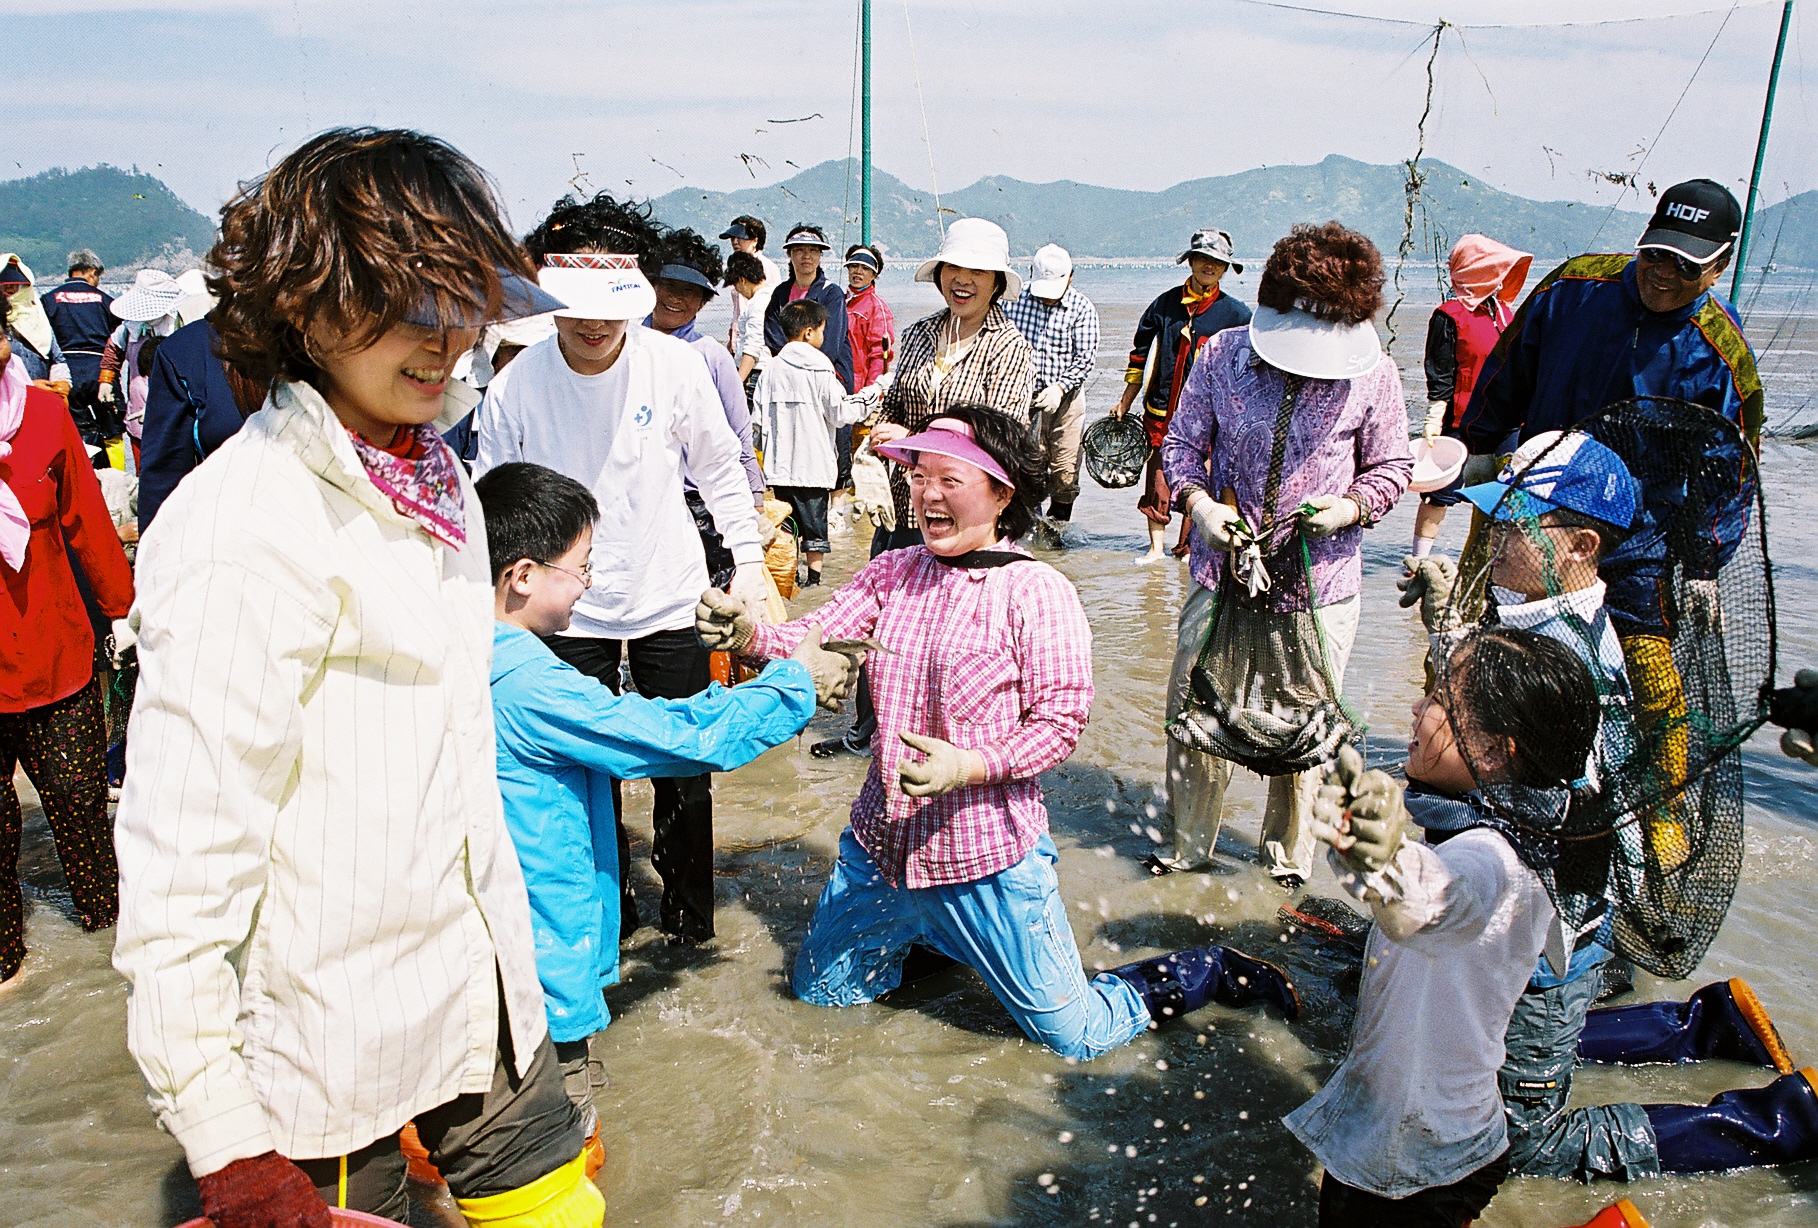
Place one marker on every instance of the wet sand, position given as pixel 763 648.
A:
pixel 730 1102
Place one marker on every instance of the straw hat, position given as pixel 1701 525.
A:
pixel 974 243
pixel 154 295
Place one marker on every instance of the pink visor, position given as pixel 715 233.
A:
pixel 945 437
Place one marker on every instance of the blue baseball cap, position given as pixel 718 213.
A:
pixel 1561 471
pixel 689 274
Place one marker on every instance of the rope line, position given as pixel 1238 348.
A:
pixel 1500 25
pixel 927 140
pixel 858 34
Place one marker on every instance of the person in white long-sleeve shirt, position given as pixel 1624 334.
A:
pixel 631 413
pixel 1410 1128
pixel 323 922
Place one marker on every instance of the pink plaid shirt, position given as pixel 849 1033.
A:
pixel 997 660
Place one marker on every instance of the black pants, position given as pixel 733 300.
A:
pixel 63 747
pixel 483 1143
pixel 719 559
pixel 842 448
pixel 664 665
pixel 1445 1206
pixel 864 716
pixel 809 507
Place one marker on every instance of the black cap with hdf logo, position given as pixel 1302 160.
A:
pixel 1698 219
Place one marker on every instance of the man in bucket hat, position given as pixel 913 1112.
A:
pixel 1167 337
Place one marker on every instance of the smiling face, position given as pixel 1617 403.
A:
pixel 396 381
pixel 589 346
pixel 805 262
pixel 1663 286
pixel 677 303
pixel 858 276
pixel 1206 271
pixel 539 595
pixel 967 291
pixel 956 503
pixel 1433 755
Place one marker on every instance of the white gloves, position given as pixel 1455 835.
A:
pixel 1799 743
pixel 124 636
pixel 1428 581
pixel 749 586
pixel 723 623
pixel 1704 606
pixel 105 393
pixel 1215 520
pixel 1049 398
pixel 871 489
pixel 1360 814
pixel 1436 419
pixel 1324 515
pixel 944 766
pixel 834 673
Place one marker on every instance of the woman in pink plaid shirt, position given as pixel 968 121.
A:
pixel 982 682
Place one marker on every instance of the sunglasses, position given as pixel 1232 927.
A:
pixel 1688 270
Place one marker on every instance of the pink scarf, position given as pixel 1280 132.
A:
pixel 1482 267
pixel 15 527
pixel 425 486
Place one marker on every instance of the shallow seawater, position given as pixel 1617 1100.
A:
pixel 730 1102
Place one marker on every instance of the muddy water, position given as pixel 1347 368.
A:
pixel 730 1102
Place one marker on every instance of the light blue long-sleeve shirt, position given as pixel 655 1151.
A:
pixel 562 738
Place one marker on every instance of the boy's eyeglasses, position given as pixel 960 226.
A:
pixel 585 575
pixel 1688 270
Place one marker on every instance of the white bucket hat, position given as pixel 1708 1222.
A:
pixel 597 286
pixel 974 243
pixel 154 295
pixel 1301 343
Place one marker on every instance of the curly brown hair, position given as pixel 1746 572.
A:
pixel 351 232
pixel 1330 271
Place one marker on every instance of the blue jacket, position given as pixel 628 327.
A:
pixel 835 345
pixel 1583 341
pixel 80 319
pixel 562 738
pixel 189 412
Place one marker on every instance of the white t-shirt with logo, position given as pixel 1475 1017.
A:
pixel 629 435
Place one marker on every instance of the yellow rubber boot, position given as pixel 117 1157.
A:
pixel 1620 1214
pixel 562 1199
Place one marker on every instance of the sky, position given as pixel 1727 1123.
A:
pixel 642 97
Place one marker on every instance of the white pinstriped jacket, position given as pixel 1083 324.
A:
pixel 320 901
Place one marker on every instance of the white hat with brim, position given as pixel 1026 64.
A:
pixel 598 293
pixel 974 243
pixel 1050 271
pixel 196 301
pixel 1301 343
pixel 154 295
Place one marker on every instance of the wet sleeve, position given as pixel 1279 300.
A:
pixel 217 736
pixel 572 718
pixel 1434 899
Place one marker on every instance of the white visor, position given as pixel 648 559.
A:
pixel 1302 344
pixel 597 286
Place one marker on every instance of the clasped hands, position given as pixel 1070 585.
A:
pixel 1360 813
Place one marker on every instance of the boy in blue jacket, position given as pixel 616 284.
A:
pixel 563 737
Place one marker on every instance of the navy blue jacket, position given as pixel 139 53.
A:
pixel 1164 323
pixel 189 412
pixel 833 299
pixel 80 319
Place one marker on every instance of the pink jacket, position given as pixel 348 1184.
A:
pixel 871 332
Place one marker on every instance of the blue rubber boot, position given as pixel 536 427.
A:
pixel 1755 1127
pixel 1174 985
pixel 1724 1020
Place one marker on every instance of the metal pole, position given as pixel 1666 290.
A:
pixel 865 122
pixel 1767 117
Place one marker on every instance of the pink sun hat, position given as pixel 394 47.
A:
pixel 945 437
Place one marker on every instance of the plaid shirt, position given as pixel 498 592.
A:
pixel 997 660
pixel 1064 337
pixel 998 371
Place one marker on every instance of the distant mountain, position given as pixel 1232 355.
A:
pixel 126 217
pixel 1256 206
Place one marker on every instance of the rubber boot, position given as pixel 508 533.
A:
pixel 1057 510
pixel 416 1157
pixel 1184 981
pixel 562 1199
pixel 594 1151
pixel 1724 1019
pixel 1620 1214
pixel 1751 1128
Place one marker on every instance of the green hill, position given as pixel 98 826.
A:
pixel 126 217
pixel 1256 206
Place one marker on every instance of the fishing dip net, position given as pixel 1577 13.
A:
pixel 1115 450
pixel 1648 851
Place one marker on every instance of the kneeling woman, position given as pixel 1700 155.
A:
pixel 982 682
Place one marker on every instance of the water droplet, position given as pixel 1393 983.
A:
pixel 1065 1136
pixel 1129 1152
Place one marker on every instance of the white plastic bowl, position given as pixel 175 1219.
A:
pixel 1437 463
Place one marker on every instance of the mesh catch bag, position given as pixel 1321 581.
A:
pixel 1682 656
pixel 1115 450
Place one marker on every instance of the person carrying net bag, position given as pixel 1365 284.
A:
pixel 1290 438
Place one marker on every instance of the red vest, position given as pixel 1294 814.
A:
pixel 1477 334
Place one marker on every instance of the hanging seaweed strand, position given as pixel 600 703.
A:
pixel 1416 179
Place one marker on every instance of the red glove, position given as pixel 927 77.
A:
pixel 265 1191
